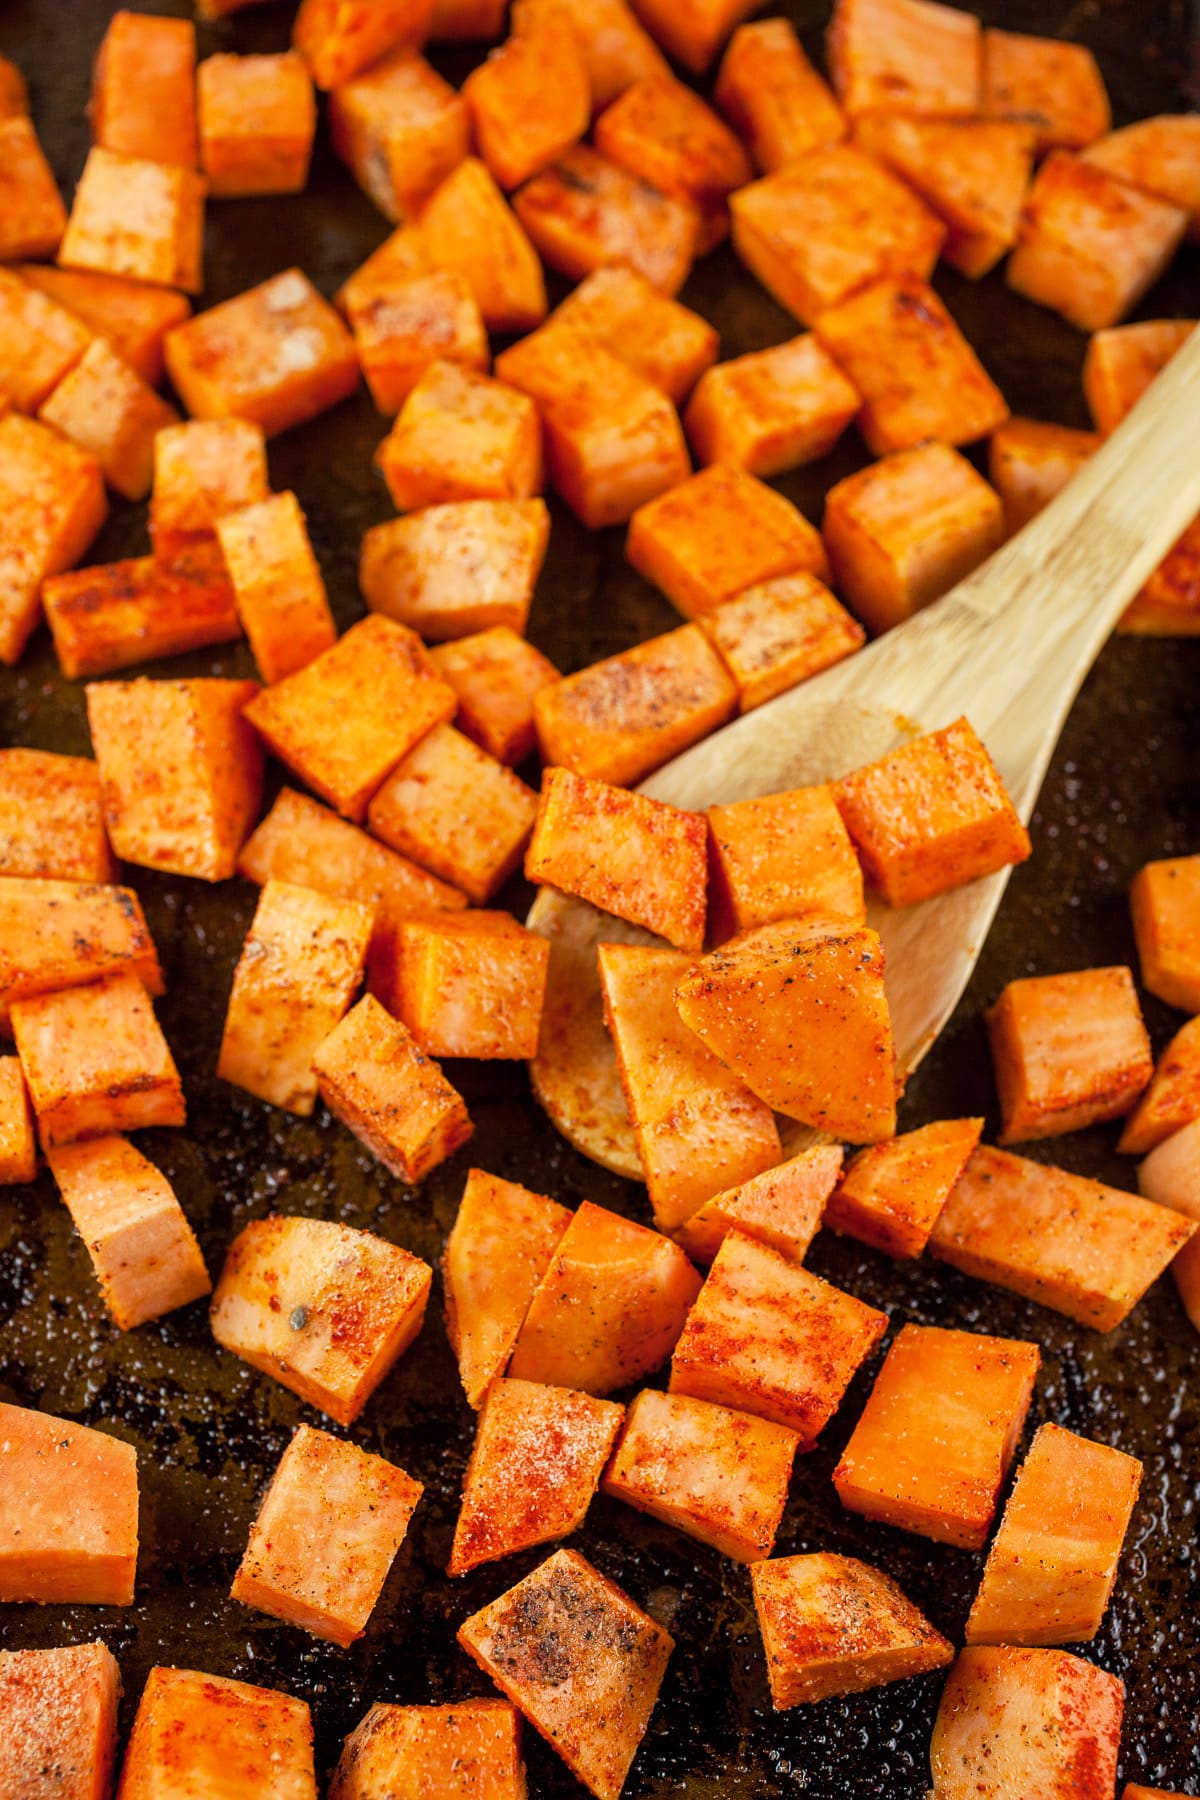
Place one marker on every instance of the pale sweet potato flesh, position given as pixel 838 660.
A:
pixel 1170 1175
pixel 68 1512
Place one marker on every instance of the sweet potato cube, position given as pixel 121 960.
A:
pixel 718 534
pixel 639 858
pixel 1090 245
pixel 1165 902
pixel 666 343
pixel 531 99
pixel 68 1513
pixel 910 56
pixel 773 97
pixel 619 719
pixel 834 1625
pixel 277 582
pixel 180 772
pixel 377 1080
pixel 144 89
pixel 779 857
pixel 616 49
pixel 1029 463
pixel 338 38
pixel 937 1435
pixel 766 1337
pixel 1173 1096
pixel 721 1476
pixel 692 33
pixel 1161 156
pixel 257 119
pixel 14 94
pixel 18 1145
pixel 468 1750
pixel 58 934
pixel 773 636
pixel 51 507
pixel 663 132
pixel 399 256
pixel 1081 1248
pixel 51 818
pixel 40 343
pixel 781 1208
pixel 137 218
pixel 400 129
pixel 468 227
pixel 930 816
pixel 772 410
pixel 497 676
pixel 117 614
pixel 585 214
pixel 1040 1721
pixel 461 436
pixel 355 1507
pixel 32 215
pixel 106 408
pixel 203 470
pixel 1069 1051
pixel 818 230
pixel 133 317
pixel 346 719
pixel 890 1194
pixel 1121 364
pixel 143 1250
pixel 199 1732
pixel 501 1245
pixel 324 1309
pixel 402 329
pixel 277 355
pixel 1170 1176
pixel 60 1710
pixel 451 570
pixel 1169 604
pixel 95 1061
pixel 631 1286
pixel 972 172
pixel 1052 85
pixel 699 1129
pixel 299 970
pixel 465 984
pixel 798 1010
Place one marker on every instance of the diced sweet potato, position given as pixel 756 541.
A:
pixel 180 772
pixel 1161 156
pixel 281 598
pixel 18 1145
pixel 930 816
pixel 133 317
pixel 257 120
pixel 693 31
pixel 459 568
pixel 497 676
pixel 344 721
pixel 95 1061
pixel 117 614
pixel 1120 365
pixel 721 1476
pixel 1165 902
pixel 144 88
pixel 1084 1249
pixel 1053 1562
pixel 467 1750
pixel 399 256
pixel 699 1129
pixel 779 857
pixel 325 1536
pixel 51 507
pixel 1029 463
pixel 1069 1051
pixel 667 344
pixel 937 1435
pixel 772 410
pixel 203 470
pixel 324 1309
pixel 609 1307
pixel 781 1208
pixel 199 1733
pixel 403 328
pixel 1169 604
pixel 68 1513
pixel 890 1194
pixel 400 129
pixel 1173 1096
pixel 57 934
pixel 1026 1722
pixel 60 1714
pixel 531 99
pixel 834 1625
pixel 585 213
pixel 616 50
pixel 1170 1176
pixel 665 133
pixel 40 343
pixel 137 218
pixel 909 56
pixel 1053 85
pixel 461 436
pixel 32 215
pixel 468 227
pixel 773 97
pixel 338 38
pixel 142 1248
pixel 639 858
pixel 465 984
pixel 377 1080
pixel 797 1009
pixel 775 635
pixel 106 408
pixel 972 172
pixel 51 818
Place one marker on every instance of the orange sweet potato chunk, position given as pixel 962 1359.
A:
pixel 781 1208
pixel 692 31
pixel 338 38
pixel 1043 1722
pixel 890 1194
pixel 133 317
pixel 106 408
pixel 910 56
pixel 467 1750
pixel 57 934
pixel 773 97
pixel 114 615
pixel 937 1434
pixel 137 218
pixel 68 1513
pixel 1170 1176
pixel 14 93
pixel 403 327
pixel 1069 1051
pixel 531 99
pixel 465 983
pixel 779 857
pixel 18 1145
pixel 1161 156
pixel 325 1536
pixel 497 676
pixel 202 470
pixel 616 49
pixel 200 1732
pixel 40 343
pixel 1173 1096
pixel 461 436
pixel 666 343
pixel 277 583
pixel 775 635
pixel 585 213
pixel 1052 85
pixel 1164 899
pixel 1121 363
pixel 972 172
pixel 324 1309
pixel 1053 1563
pixel 834 1625
pixel 32 215
pixel 60 1713
pixel 467 226
pixel 1135 1791
pixel 257 120
pixel 51 507
pixel 772 410
pixel 144 89
pixel 667 135
pixel 377 1080
pixel 1029 463
pixel 401 130
pixel 51 818
pixel 463 567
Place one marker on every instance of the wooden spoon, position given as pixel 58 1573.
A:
pixel 1008 647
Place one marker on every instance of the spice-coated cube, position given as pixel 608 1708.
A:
pixel 1069 1051
pixel 585 213
pixel 451 570
pixel 60 1712
pixel 465 983
pixel 32 215
pixel 616 48
pixel 142 1248
pixel 901 532
pixel 667 343
pixel 400 129
pixel 1161 156
pixel 1029 463
pixel 40 343
pixel 639 858
pixel 930 816
pixel 57 934
pixel 665 133
pixel 1120 365
pixel 721 1476
pixel 469 228
pixel 344 721
pixel 1049 83
pixel 51 507
pixel 106 408
pixel 1169 603
pixel 68 1517
pixel 497 676
pixel 890 1194
pixel 536 1462
pixel 51 818
pixel 1164 899
pixel 325 1536
pixel 133 317
pixel 323 1308
pixel 911 56
pixel 466 1750
pixel 1172 1099
pixel 1042 1714
pixel 18 1145
pixel 531 99
pixel 144 89
pixel 771 410
pixel 779 856
pixel 203 470
pixel 777 634
pixel 138 218
pixel 257 120
pixel 299 970
pixel 95 1061
pixel 200 1732
pixel 338 38
pixel 782 1207
pixel 1090 245
pixel 277 583
pixel 402 328
pixel 773 97
pixel 117 614
pixel 462 436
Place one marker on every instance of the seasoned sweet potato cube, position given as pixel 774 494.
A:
pixel 60 1713
pixel 666 343
pixel 890 1194
pixel 1040 1721
pixel 324 1309
pixel 68 1513
pixel 1120 365
pixel 531 99
pixel 910 56
pixel 694 31
pixel 609 1307
pixel 1161 156
pixel 937 1435
pixel 721 1476
pixel 777 634
pixel 143 1250
pixel 40 343
pixel 58 934
pixel 1090 245
pixel 375 1078
pixel 51 507
pixel 797 1009
pixel 497 677
pixel 325 1536
pixel 930 816
pixel 972 172
pixel 781 1208
pixel 1165 902
pixel 1173 1096
pixel 451 570
pixel 399 256
pixel 699 1129
pixel 1170 1176
pixel 117 614
pixel 133 317
pixel 402 328
pixel 32 215
pixel 144 89
pixel 276 355
pixel 834 1625
pixel 277 583
pixel 501 1245
pixel 338 38
pixel 257 119
pixel 203 470
pixel 773 97
pixel 465 983
pixel 468 227
pixel 201 1732
pixel 51 818
pixel 766 1337
pixel 106 408
pixel 1069 1051
pixel 665 133
pixel 134 217
pixel 585 213
pixel 1169 604
pixel 1029 463
pixel 639 858
pixel 461 436
pixel 400 129
pixel 18 1145
pixel 468 1750
pixel 1052 85
pixel 1084 1249
pixel 180 772
pixel 344 721
pixel 772 410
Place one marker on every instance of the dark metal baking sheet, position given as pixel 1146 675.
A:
pixel 1125 786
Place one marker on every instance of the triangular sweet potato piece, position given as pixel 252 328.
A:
pixel 782 1208
pixel 891 1194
